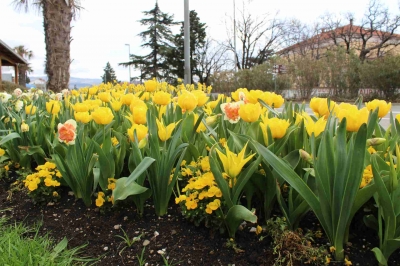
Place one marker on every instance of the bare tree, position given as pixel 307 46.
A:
pixel 378 30
pixel 212 58
pixel 374 36
pixel 258 38
pixel 301 40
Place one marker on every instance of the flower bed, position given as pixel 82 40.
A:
pixel 222 161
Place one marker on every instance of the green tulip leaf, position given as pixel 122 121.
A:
pixel 124 189
pixel 236 215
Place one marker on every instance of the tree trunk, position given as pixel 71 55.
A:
pixel 22 76
pixel 57 16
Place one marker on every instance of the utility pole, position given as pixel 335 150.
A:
pixel 234 34
pixel 129 57
pixel 186 33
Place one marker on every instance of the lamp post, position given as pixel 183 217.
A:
pixel 186 33
pixel 234 34
pixel 129 57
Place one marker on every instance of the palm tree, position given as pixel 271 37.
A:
pixel 57 17
pixel 23 69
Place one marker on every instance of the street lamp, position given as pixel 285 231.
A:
pixel 234 34
pixel 186 45
pixel 129 57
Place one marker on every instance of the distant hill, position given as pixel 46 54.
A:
pixel 75 82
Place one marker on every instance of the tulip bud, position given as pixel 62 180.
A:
pixel 375 141
pixel 143 143
pixel 211 120
pixel 306 156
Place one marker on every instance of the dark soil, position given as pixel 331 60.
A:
pixel 184 243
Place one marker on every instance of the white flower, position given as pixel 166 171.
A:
pixel 18 105
pixel 59 96
pixel 156 234
pixel 17 92
pixel 4 97
pixel 65 92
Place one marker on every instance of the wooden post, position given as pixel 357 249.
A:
pixel 16 73
pixel 1 85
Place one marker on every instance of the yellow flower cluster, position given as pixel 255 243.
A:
pixel 201 188
pixel 46 174
pixel 367 176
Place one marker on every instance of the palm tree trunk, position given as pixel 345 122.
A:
pixel 22 76
pixel 57 17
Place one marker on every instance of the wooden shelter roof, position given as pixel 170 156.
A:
pixel 9 57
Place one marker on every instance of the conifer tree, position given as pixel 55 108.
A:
pixel 109 74
pixel 197 41
pixel 158 39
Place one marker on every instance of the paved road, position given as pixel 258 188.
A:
pixel 385 121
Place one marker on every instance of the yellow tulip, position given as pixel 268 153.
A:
pixel 164 132
pixel 233 163
pixel 83 117
pixel 53 107
pixel 187 101
pixel 127 98
pixel 139 114
pixel 272 99
pixel 354 118
pixel 201 97
pixel 151 85
pixel 141 132
pixel 398 117
pixel 277 126
pixel 30 109
pixel 315 127
pixel 102 116
pixel 161 98
pixel 93 90
pixel 383 106
pixel 116 105
pixel 250 112
pixel 253 96
pixel 104 97
pixel 235 94
pixel 320 106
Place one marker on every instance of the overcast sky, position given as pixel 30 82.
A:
pixel 105 26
